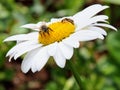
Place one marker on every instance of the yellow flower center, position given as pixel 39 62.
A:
pixel 55 32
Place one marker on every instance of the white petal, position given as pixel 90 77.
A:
pixel 15 37
pixel 105 25
pixel 18 42
pixel 82 24
pixel 59 58
pixel 28 60
pixel 40 23
pixel 82 19
pixel 66 50
pixel 59 19
pixel 52 49
pixel 35 27
pixel 71 41
pixel 40 59
pixel 98 29
pixel 86 35
pixel 32 26
pixel 35 60
pixel 26 49
pixel 98 18
pixel 11 56
pixel 90 11
pixel 19 47
pixel 55 19
pixel 30 36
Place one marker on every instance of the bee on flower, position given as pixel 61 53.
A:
pixel 58 38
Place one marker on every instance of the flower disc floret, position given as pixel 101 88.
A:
pixel 58 31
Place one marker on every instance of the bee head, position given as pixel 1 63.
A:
pixel 44 28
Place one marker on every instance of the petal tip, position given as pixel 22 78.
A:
pixel 23 26
pixel 5 40
pixel 24 70
pixel 105 6
pixel 115 29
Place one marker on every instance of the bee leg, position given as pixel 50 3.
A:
pixel 40 33
pixel 50 29
pixel 44 34
pixel 48 33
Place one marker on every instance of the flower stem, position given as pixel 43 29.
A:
pixel 76 75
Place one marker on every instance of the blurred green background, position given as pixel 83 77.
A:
pixel 98 61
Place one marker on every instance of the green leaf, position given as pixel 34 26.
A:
pixel 112 1
pixel 4 13
pixel 113 45
pixel 74 5
pixel 69 83
pixel 105 67
pixel 51 86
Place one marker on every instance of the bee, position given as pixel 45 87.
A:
pixel 44 29
pixel 68 20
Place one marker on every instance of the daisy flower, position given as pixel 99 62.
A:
pixel 58 38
